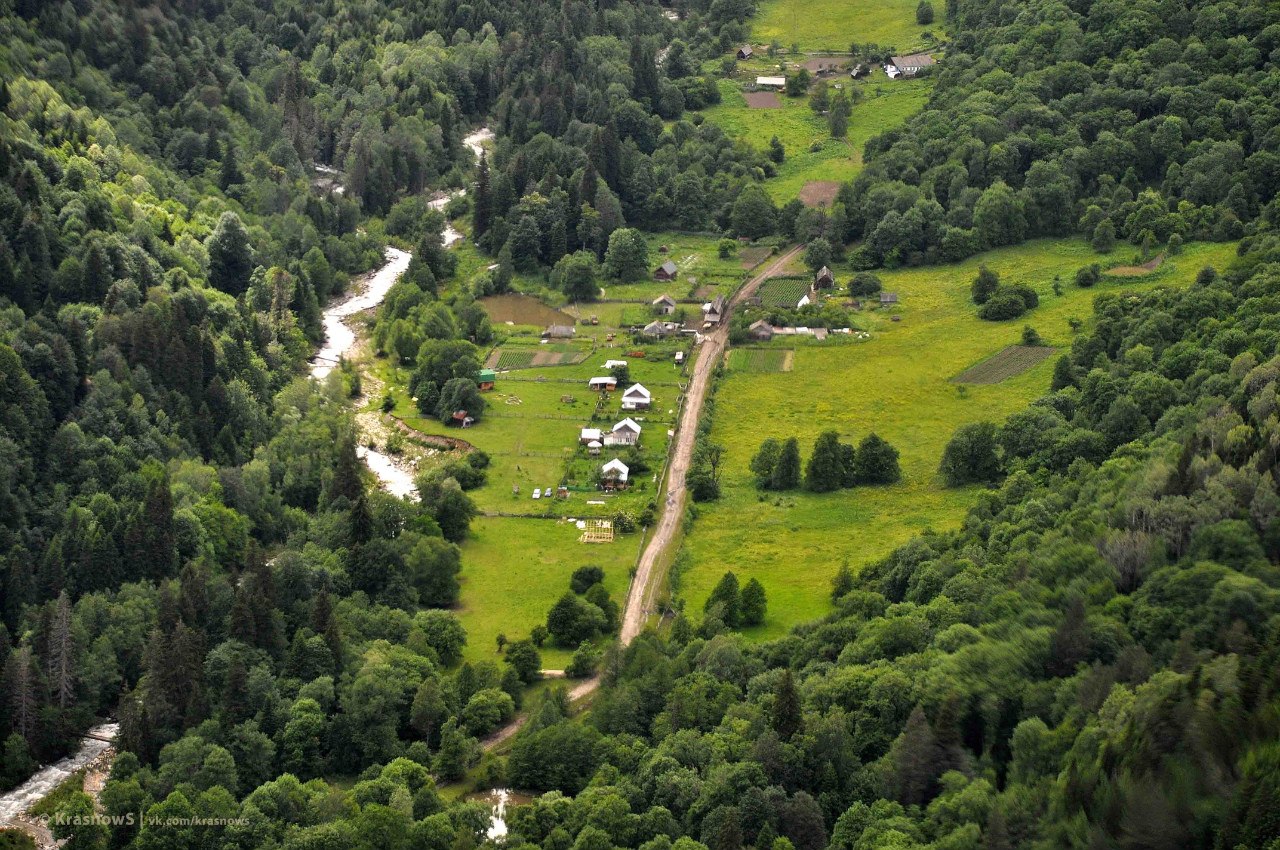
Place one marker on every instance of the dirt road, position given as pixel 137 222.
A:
pixel 648 578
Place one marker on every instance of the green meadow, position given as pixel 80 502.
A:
pixel 831 25
pixel 513 571
pixel 885 104
pixel 899 385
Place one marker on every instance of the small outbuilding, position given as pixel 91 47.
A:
pixel 460 419
pixel 559 332
pixel 660 329
pixel 666 271
pixel 664 305
pixel 636 397
pixel 745 52
pixel 604 383
pixel 761 330
pixel 824 279
pixel 587 436
pixel 486 378
pixel 593 448
pixel 888 299
pixel 771 82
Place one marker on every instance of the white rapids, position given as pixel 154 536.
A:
pixel 49 777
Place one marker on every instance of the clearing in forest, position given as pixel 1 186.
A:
pixel 1006 363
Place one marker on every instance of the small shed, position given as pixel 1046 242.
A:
pixel 666 271
pixel 745 52
pixel 636 397
pixel 771 82
pixel 761 330
pixel 486 379
pixel 460 419
pixel 660 329
pixel 559 332
pixel 888 299
pixel 679 357
pixel 603 383
pixel 664 305
pixel 587 436
pixel 824 279
pixel 593 448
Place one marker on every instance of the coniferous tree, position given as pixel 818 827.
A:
pixel 824 471
pixel 787 717
pixel 876 462
pixel 786 472
pixel 753 603
pixel 61 663
pixel 725 601
pixel 230 255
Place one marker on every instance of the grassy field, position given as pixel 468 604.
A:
pixel 513 571
pixel 830 25
pixel 898 384
pixel 884 105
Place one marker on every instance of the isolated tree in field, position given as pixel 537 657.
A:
pixel 575 276
pixel 1087 276
pixel 725 601
pixel 704 470
pixel 764 462
pixel 876 462
pixel 627 257
pixel 753 214
pixel 777 153
pixel 824 472
pixel 818 254
pixel 1031 337
pixel 786 472
pixel 970 456
pixel 986 283
pixel 838 119
pixel 864 284
pixel 924 13
pixel 230 255
pixel 820 99
pixel 752 603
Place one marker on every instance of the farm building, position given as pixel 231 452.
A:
pixel 613 475
pixel 588 435
pixel 486 379
pixel 824 279
pixel 603 383
pixel 636 398
pixel 661 329
pixel 859 71
pixel 593 448
pixel 761 330
pixel 771 82
pixel 679 357
pixel 559 332
pixel 714 311
pixel 908 66
pixel 888 299
pixel 666 271
pixel 625 433
pixel 664 305
pixel 610 364
pixel 460 419
pixel 745 52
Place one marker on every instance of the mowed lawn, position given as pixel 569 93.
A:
pixel 513 571
pixel 885 104
pixel 830 25
pixel 898 384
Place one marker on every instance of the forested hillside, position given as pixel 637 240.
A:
pixel 1113 120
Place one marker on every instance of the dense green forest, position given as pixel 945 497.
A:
pixel 189 543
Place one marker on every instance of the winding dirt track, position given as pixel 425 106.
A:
pixel 649 569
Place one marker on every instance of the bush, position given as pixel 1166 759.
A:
pixel 1088 276
pixel 984 285
pixel 584 577
pixel 1006 303
pixel 864 284
pixel 1030 336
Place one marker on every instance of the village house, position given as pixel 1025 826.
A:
pixel 714 311
pixel 614 474
pixel 666 271
pixel 559 332
pixel 625 433
pixel 908 66
pixel 824 279
pixel 486 378
pixel 636 398
pixel 603 383
pixel 588 435
pixel 659 329
pixel 761 330
pixel 664 305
